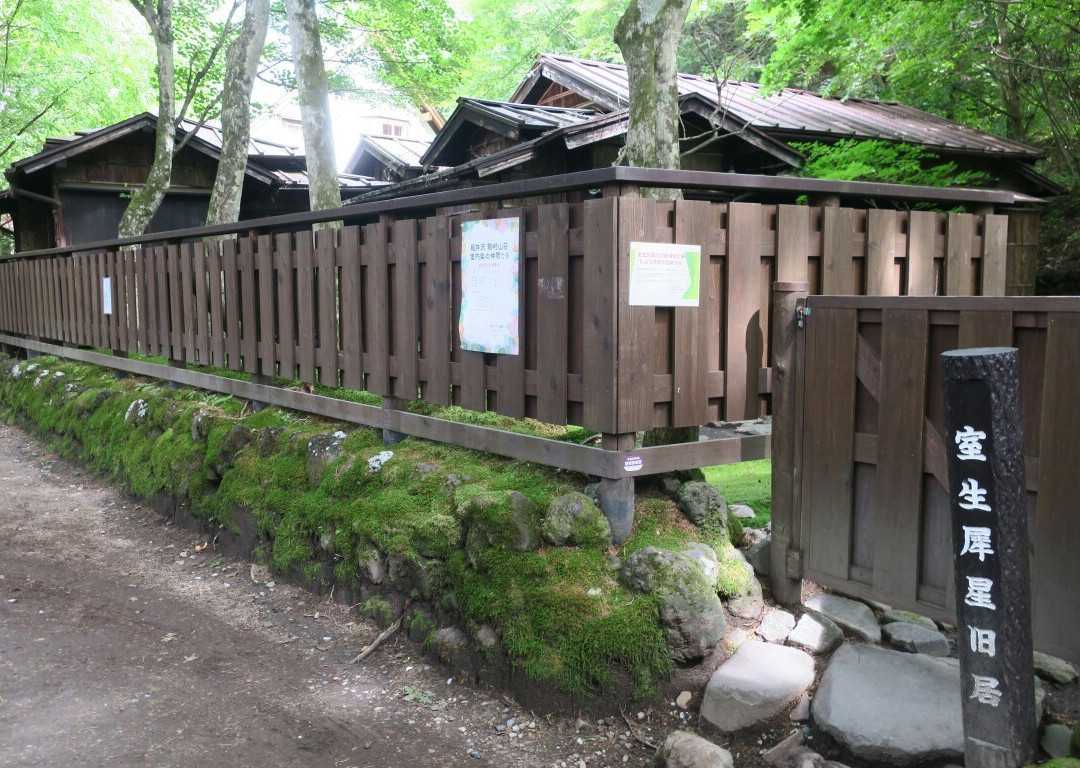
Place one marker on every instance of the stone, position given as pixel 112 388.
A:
pixel 792 752
pixel 742 511
pixel 575 519
pixel 748 607
pixel 853 617
pixel 915 638
pixel 682 749
pixel 322 451
pixel 735 637
pixel 201 423
pixel 759 427
pixel 229 447
pixel 893 615
pixel 816 634
pixel 504 519
pixel 776 626
pixel 800 713
pixel 682 701
pixel 375 463
pixel 486 637
pixel 1055 740
pixel 705 557
pixel 1053 669
pixel 889 707
pixel 448 641
pixel 690 612
pixel 670 485
pixel 703 505
pixel 760 557
pixel 758 682
pixel 736 574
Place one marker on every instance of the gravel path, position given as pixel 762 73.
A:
pixel 124 642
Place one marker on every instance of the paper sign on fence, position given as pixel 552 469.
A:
pixel 664 275
pixel 490 285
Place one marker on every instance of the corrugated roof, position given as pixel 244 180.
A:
pixel 394 151
pixel 791 112
pixel 526 115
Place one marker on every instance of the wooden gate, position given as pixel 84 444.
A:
pixel 870 511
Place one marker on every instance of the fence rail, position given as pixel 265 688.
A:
pixel 871 516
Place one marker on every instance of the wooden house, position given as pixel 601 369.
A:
pixel 387 158
pixel 75 189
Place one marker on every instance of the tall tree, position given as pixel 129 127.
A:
pixel 241 63
pixel 147 199
pixel 323 188
pixel 648 36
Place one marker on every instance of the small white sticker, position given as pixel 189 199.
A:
pixel 106 295
pixel 632 463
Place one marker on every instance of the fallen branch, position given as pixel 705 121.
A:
pixel 386 633
pixel 635 734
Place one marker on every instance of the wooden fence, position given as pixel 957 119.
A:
pixel 870 513
pixel 373 306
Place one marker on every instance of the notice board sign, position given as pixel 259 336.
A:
pixel 490 285
pixel 106 295
pixel 664 275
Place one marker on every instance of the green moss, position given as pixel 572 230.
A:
pixel 377 609
pixel 1061 762
pixel 1074 742
pixel 734 579
pixel 749 483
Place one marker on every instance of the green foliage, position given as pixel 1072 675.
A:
pixel 69 65
pixel 1061 762
pixel 854 160
pixel 1074 742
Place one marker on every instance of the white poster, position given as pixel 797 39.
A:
pixel 490 285
pixel 106 295
pixel 664 275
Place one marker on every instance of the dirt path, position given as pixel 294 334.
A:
pixel 121 645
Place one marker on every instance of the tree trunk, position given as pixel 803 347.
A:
pixel 323 189
pixel 648 36
pixel 146 201
pixel 241 63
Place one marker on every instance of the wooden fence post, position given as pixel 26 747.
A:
pixel 985 442
pixel 785 563
pixel 617 496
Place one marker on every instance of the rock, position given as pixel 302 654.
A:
pixel 592 490
pixel 816 634
pixel 682 749
pixel 736 574
pixel 1055 740
pixel 201 423
pixel 1053 669
pixel 801 711
pixel 486 637
pixel 670 485
pixel 735 637
pixel 892 616
pixel 853 617
pixel 755 684
pixel 448 641
pixel 703 505
pixel 690 612
pixel 505 519
pixel 889 707
pixel 234 441
pixel 793 753
pixel 682 701
pixel 776 626
pixel 705 557
pixel 742 511
pixel 268 440
pixel 915 638
pixel 759 427
pixel 322 451
pixel 375 463
pixel 748 607
pixel 575 519
pixel 760 557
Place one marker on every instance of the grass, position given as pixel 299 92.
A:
pixel 746 483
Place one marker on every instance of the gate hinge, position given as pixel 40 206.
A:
pixel 802 313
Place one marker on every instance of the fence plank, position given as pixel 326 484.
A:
pixel 326 301
pixel 305 309
pixel 187 301
pixel 264 262
pixel 405 309
pixel 837 268
pixel 249 324
pixel 174 340
pixel 600 384
pixel 376 286
pixel 901 404
pixel 958 267
pixel 510 369
pixel 985 329
pixel 473 391
pixel 438 306
pixel 199 277
pixel 123 279
pixel 142 308
pixel 745 339
pixel 1056 607
pixel 689 393
pixel 231 325
pixel 284 258
pixel 920 257
pixel 552 309
pixel 215 279
pixel 161 280
pixel 995 245
pixel 636 351
pixel 829 420
pixel 351 310
pixel 792 243
pixel 881 231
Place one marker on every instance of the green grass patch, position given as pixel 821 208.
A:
pixel 749 483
